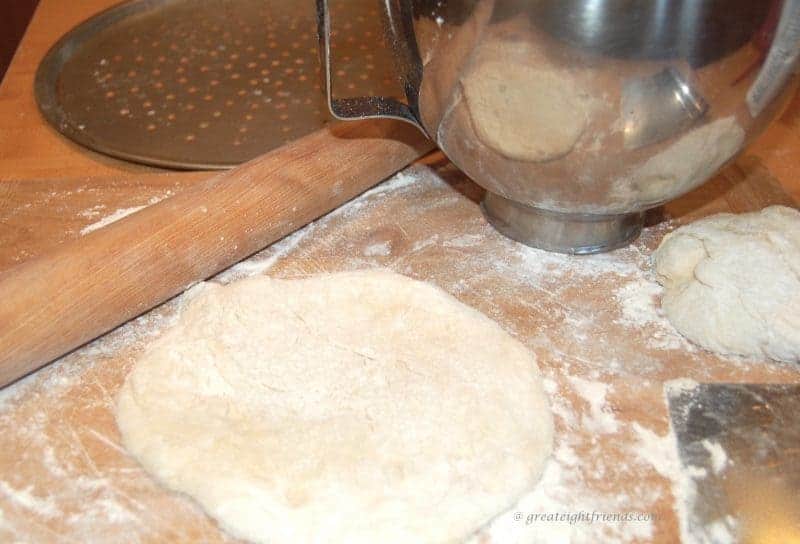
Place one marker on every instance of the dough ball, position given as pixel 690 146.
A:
pixel 351 407
pixel 524 113
pixel 733 282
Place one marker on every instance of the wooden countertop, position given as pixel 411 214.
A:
pixel 65 477
pixel 31 149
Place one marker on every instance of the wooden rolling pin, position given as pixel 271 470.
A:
pixel 85 287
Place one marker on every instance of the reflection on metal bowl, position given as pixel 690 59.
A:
pixel 578 115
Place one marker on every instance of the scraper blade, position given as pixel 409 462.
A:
pixel 739 447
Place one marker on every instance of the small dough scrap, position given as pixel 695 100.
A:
pixel 355 407
pixel 732 282
pixel 524 113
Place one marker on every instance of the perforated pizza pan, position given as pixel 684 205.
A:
pixel 204 84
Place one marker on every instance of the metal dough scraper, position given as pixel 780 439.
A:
pixel 739 447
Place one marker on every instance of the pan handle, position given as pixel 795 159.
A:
pixel 401 34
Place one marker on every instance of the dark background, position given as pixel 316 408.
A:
pixel 14 18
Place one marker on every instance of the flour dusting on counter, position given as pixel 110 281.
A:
pixel 639 302
pixel 662 453
pixel 67 447
pixel 680 385
pixel 592 322
pixel 266 259
pixel 563 493
pixel 93 211
pixel 600 418
pixel 25 499
pixel 381 248
pixel 559 508
pixel 107 220
pixel 116 215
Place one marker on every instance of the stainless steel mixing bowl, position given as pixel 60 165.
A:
pixel 576 116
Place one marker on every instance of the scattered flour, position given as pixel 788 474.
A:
pixel 698 473
pixel 427 242
pixel 400 180
pixel 107 220
pixel 94 211
pixel 717 455
pixel 537 263
pixel 679 385
pixel 95 495
pixel 529 276
pixel 562 490
pixel 662 453
pixel 24 498
pixel 379 249
pixel 636 302
pixel 567 488
pixel 639 305
pixel 659 451
pixel 266 259
pixel 722 531
pixel 465 240
pixel 600 418
pixel 155 199
pixel 81 491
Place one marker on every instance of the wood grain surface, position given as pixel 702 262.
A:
pixel 31 149
pixel 591 321
pixel 85 287
pixel 64 476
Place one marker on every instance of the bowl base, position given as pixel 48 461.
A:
pixel 573 233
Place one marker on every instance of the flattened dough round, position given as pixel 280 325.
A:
pixel 351 407
pixel 522 112
pixel 733 282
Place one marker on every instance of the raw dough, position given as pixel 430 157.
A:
pixel 733 282
pixel 524 113
pixel 351 407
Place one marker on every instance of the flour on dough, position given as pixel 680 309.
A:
pixel 522 112
pixel 733 282
pixel 351 407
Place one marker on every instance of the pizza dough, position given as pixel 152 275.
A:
pixel 350 407
pixel 733 282
pixel 522 112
